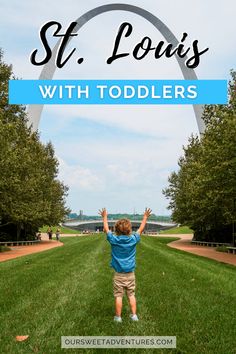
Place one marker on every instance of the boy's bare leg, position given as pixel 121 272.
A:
pixel 118 303
pixel 132 302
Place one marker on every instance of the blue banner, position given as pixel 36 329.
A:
pixel 118 92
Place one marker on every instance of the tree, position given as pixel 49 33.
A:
pixel 30 194
pixel 203 191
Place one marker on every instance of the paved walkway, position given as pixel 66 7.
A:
pixel 19 251
pixel 184 244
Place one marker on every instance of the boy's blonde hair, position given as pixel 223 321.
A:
pixel 123 227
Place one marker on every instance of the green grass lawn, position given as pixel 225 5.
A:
pixel 68 291
pixel 64 230
pixel 178 230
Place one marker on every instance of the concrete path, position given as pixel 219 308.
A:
pixel 184 244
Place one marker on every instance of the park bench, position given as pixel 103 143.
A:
pixel 231 250
pixel 18 243
pixel 210 244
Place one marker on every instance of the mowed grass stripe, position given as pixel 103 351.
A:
pixel 191 295
pixel 68 291
pixel 41 271
pixel 61 276
pixel 187 261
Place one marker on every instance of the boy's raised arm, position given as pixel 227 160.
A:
pixel 103 213
pixel 146 215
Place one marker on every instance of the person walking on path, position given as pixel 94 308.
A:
pixel 49 232
pixel 58 234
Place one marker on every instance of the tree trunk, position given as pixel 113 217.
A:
pixel 18 230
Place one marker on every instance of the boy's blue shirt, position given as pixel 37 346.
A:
pixel 123 251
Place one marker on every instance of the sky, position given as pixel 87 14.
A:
pixel 119 157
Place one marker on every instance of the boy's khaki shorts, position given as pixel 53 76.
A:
pixel 124 282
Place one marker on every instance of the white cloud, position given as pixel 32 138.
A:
pixel 156 121
pixel 125 175
pixel 150 152
pixel 78 177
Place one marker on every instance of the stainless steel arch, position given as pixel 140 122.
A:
pixel 34 111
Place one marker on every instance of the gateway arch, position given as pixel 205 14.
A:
pixel 35 111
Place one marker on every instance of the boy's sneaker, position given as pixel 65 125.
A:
pixel 134 317
pixel 117 319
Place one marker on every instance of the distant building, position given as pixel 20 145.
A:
pixel 94 225
pixel 81 215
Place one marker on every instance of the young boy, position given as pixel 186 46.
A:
pixel 123 251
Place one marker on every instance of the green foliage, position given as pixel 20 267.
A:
pixel 178 230
pixel 153 217
pixel 203 192
pixel 222 249
pixel 30 193
pixel 4 248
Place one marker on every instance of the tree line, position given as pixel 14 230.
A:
pixel 117 216
pixel 30 193
pixel 202 193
